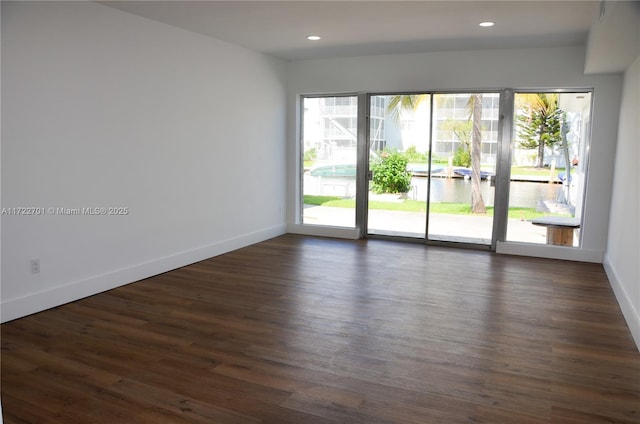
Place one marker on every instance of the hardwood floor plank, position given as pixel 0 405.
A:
pixel 323 331
pixel 21 410
pixel 172 404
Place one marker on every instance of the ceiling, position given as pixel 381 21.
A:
pixel 357 28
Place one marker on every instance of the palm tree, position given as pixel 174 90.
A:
pixel 411 102
pixel 538 121
pixel 477 203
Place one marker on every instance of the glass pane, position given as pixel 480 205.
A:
pixel 329 146
pixel 461 203
pixel 548 167
pixel 398 155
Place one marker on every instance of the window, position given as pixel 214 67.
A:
pixel 447 194
pixel 548 167
pixel 329 160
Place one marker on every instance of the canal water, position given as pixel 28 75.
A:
pixel 524 194
pixel 451 190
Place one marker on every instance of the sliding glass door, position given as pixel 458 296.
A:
pixel 399 139
pixel 465 145
pixel 432 164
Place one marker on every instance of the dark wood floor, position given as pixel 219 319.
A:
pixel 310 330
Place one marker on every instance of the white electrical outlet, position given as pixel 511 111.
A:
pixel 35 266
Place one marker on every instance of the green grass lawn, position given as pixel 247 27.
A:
pixel 418 206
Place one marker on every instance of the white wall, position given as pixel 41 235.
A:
pixel 614 38
pixel 101 108
pixel 542 68
pixel 622 258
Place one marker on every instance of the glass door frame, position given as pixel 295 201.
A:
pixel 300 167
pixel 364 142
pixel 503 158
pixel 503 168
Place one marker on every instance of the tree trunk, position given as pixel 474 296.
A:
pixel 543 130
pixel 567 166
pixel 477 203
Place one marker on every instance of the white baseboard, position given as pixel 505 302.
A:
pixel 549 252
pixel 36 302
pixel 631 314
pixel 323 231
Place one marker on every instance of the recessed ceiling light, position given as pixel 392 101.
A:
pixel 313 37
pixel 487 24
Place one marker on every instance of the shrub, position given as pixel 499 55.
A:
pixel 439 159
pixel 462 157
pixel 413 156
pixel 390 174
pixel 310 154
